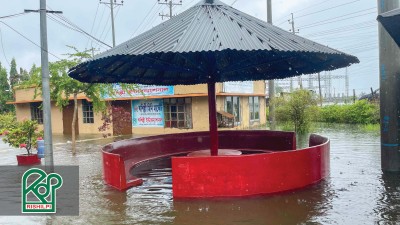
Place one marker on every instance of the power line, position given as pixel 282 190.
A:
pixel 91 29
pixel 13 15
pixel 75 27
pixel 148 13
pixel 323 10
pixel 300 10
pixel 331 20
pixel 28 39
pixel 2 46
pixel 170 4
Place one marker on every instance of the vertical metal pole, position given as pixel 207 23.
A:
pixel 389 64
pixel 48 139
pixel 354 95
pixel 319 87
pixel 212 118
pixel 271 83
pixel 112 22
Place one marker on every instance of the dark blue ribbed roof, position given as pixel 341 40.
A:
pixel 210 41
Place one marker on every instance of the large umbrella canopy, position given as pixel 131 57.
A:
pixel 391 21
pixel 208 43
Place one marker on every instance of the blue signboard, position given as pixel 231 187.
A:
pixel 142 91
pixel 148 113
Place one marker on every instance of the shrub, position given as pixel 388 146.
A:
pixel 7 121
pixel 361 112
pixel 23 134
pixel 299 109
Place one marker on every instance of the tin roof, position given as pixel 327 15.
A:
pixel 210 41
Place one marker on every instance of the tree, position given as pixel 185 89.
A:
pixel 23 75
pixel 14 78
pixel 63 86
pixel 5 92
pixel 297 108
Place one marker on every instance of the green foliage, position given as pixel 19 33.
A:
pixel 7 121
pixel 361 112
pixel 14 79
pixel 297 109
pixel 63 86
pixel 25 132
pixel 5 92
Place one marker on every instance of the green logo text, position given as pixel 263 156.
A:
pixel 39 196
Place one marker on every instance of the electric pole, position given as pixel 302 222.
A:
pixel 389 68
pixel 170 4
pixel 112 4
pixel 271 83
pixel 48 138
pixel 291 22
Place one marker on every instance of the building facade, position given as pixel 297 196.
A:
pixel 157 109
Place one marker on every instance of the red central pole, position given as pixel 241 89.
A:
pixel 212 118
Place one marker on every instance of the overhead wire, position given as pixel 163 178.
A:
pixel 2 47
pixel 144 19
pixel 94 20
pixel 323 10
pixel 19 33
pixel 334 19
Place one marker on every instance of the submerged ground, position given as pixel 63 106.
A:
pixel 355 193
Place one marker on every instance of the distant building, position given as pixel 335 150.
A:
pixel 165 109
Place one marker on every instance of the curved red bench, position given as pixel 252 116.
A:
pixel 275 165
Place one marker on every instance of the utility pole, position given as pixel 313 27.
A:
pixel 346 81
pixel 48 138
pixel 271 83
pixel 112 5
pixel 389 67
pixel 170 4
pixel 291 22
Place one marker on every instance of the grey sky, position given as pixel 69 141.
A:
pixel 347 25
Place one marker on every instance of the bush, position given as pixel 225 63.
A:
pixel 299 109
pixel 7 121
pixel 361 112
pixel 23 134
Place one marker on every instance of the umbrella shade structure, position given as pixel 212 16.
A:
pixel 391 22
pixel 208 43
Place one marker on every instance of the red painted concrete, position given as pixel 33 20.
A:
pixel 265 173
pixel 267 165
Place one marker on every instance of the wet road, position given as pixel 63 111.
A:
pixel 355 193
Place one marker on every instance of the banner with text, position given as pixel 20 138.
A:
pixel 143 90
pixel 246 87
pixel 148 113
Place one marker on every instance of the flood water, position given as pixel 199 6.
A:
pixel 356 191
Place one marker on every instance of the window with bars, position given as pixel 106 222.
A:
pixel 87 110
pixel 178 113
pixel 37 112
pixel 254 108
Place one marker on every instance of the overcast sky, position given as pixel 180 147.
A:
pixel 347 25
